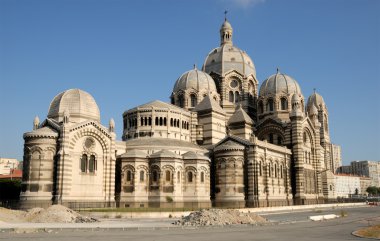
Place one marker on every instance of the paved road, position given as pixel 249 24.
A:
pixel 301 229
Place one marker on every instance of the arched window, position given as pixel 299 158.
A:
pixel 161 121
pixel 237 97
pixel 178 177
pixel 231 96
pixel 193 100
pixel 92 164
pixel 202 177
pixel 260 169
pixel 165 121
pixel 270 105
pixel 279 140
pixel 155 176
pixel 284 104
pixel 150 121
pixel 177 123
pixel 181 101
pixel 167 176
pixel 156 123
pixel 271 138
pixel 129 176
pixel 145 121
pixel 83 163
pixel 171 121
pixel 261 107
pixel 141 121
pixel 142 174
pixel 281 171
pixel 304 137
pixel 275 170
pixel 189 177
pixel 187 126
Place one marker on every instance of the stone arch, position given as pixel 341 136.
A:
pixel 91 133
pixel 271 128
pixel 309 134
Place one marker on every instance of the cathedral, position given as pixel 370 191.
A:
pixel 222 141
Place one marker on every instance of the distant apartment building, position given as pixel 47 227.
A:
pixel 7 165
pixel 369 169
pixel 347 185
pixel 365 182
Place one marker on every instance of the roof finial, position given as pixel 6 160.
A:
pixel 278 70
pixel 195 66
pixel 314 90
pixel 225 15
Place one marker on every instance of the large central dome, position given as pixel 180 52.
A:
pixel 228 57
pixel 79 104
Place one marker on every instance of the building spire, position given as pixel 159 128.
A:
pixel 225 31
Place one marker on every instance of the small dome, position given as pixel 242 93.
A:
pixel 315 100
pixel 229 146
pixel 226 25
pixel 279 84
pixel 226 58
pixel 79 105
pixel 195 79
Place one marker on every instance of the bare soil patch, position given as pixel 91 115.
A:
pixel 53 214
pixel 219 217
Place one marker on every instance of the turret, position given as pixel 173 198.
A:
pixel 36 123
pixel 111 125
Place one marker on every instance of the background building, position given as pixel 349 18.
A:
pixel 369 169
pixel 7 165
pixel 347 185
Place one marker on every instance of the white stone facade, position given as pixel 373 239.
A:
pixel 347 185
pixel 220 142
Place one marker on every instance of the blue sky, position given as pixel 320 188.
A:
pixel 127 53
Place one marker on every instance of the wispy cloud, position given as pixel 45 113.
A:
pixel 245 3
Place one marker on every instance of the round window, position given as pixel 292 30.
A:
pixel 234 83
pixel 89 143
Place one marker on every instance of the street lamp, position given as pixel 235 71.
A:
pixel 11 169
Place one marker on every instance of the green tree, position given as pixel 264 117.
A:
pixel 372 190
pixel 10 189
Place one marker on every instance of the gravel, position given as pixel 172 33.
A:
pixel 53 214
pixel 219 217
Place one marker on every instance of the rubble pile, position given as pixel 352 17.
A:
pixel 53 214
pixel 219 217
